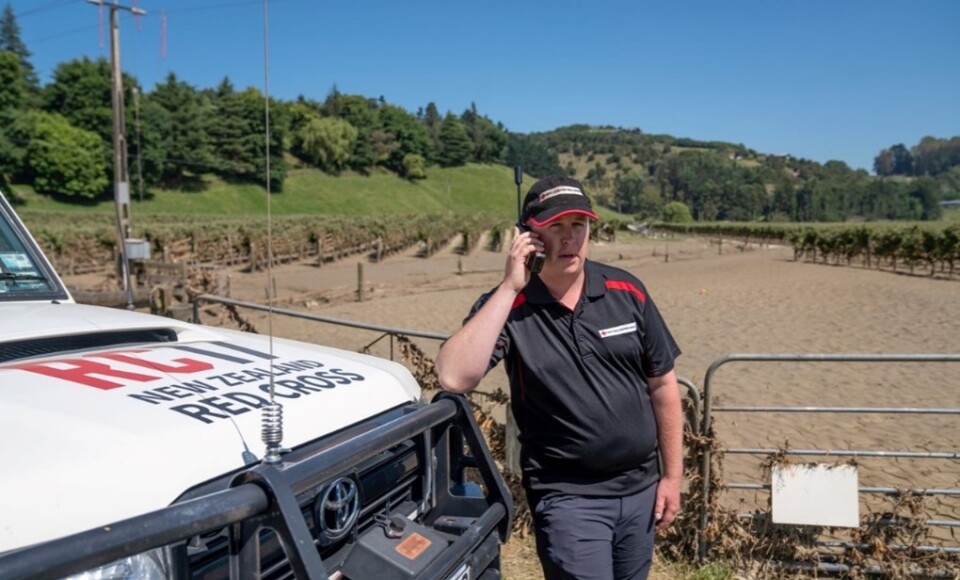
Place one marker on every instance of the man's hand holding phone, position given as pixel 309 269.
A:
pixel 535 259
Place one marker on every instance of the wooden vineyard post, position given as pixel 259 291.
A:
pixel 359 281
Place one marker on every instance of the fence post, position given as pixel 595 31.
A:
pixel 359 281
pixel 511 444
pixel 254 265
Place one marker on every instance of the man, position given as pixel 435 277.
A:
pixel 593 390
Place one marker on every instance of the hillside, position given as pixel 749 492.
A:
pixel 470 189
pixel 639 173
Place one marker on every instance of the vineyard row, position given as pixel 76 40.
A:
pixel 89 244
pixel 933 247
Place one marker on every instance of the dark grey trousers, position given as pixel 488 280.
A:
pixel 596 538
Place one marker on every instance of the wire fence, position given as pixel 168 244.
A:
pixel 907 527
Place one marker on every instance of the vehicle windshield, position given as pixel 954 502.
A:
pixel 23 275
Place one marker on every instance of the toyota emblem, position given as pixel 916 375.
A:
pixel 336 510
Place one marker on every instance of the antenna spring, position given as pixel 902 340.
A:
pixel 271 431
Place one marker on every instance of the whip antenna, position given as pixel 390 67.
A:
pixel 271 430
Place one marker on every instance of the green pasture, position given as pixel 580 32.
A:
pixel 470 190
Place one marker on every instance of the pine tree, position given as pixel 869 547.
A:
pixel 431 119
pixel 184 130
pixel 457 146
pixel 10 41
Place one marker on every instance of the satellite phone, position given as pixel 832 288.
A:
pixel 534 261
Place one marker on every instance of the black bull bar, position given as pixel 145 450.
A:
pixel 268 493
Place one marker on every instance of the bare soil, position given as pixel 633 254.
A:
pixel 717 300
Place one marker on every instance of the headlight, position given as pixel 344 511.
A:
pixel 152 565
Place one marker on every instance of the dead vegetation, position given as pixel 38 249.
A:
pixel 893 540
pixel 887 543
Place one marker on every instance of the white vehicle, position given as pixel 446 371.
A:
pixel 132 449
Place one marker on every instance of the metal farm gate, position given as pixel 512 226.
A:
pixel 909 489
pixel 909 493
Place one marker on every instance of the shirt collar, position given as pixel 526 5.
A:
pixel 594 286
pixel 537 293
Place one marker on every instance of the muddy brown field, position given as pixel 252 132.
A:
pixel 716 300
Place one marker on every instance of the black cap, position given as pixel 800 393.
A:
pixel 553 197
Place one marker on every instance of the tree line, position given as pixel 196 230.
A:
pixel 931 156
pixel 646 174
pixel 58 138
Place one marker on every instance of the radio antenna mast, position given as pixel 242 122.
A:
pixel 271 430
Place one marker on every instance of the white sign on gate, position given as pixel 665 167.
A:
pixel 816 494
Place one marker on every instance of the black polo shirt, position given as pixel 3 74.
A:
pixel 578 383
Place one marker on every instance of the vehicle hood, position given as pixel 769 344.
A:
pixel 100 434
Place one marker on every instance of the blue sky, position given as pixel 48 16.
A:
pixel 820 79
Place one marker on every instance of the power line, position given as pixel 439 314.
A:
pixel 237 4
pixel 44 8
pixel 62 3
pixel 62 34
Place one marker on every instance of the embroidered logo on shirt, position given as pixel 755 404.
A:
pixel 622 329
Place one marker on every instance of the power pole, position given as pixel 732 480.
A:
pixel 136 116
pixel 121 179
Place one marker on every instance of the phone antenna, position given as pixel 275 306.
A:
pixel 518 179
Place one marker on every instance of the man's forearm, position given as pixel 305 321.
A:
pixel 665 396
pixel 464 357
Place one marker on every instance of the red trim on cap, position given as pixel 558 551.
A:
pixel 626 287
pixel 552 219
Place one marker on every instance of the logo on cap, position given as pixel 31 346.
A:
pixel 559 190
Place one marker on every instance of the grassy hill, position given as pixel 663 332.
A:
pixel 472 189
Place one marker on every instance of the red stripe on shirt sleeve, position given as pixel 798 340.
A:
pixel 627 287
pixel 518 301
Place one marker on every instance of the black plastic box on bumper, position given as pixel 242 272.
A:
pixel 264 496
